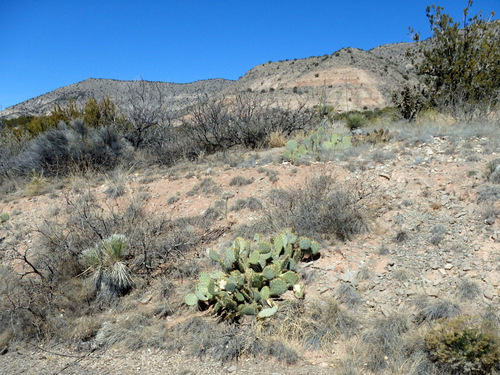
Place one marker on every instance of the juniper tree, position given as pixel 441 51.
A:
pixel 460 63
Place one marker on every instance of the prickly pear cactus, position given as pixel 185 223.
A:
pixel 254 275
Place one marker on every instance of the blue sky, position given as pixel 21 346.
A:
pixel 49 44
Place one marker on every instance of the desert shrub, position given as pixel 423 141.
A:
pixel 468 290
pixel 240 181
pixel 437 234
pixel 492 172
pixel 488 193
pixel 321 207
pixel 348 295
pixel 320 324
pixel 228 342
pixel 355 121
pixel 464 345
pixel 385 343
pixel 250 203
pixel 63 149
pixel 410 101
pixel 110 276
pixel 459 65
pixel 218 124
pixel 437 310
pixel 207 186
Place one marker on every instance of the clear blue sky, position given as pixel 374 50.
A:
pixel 47 44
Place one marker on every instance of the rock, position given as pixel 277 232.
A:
pixel 490 220
pixel 146 298
pixel 488 294
pixel 232 368
pixel 432 292
pixel 448 266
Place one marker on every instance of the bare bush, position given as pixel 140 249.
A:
pixel 320 208
pixel 218 124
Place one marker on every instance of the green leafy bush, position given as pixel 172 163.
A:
pixel 464 345
pixel 460 64
pixel 253 277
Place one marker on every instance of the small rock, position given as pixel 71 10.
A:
pixel 146 298
pixel 490 220
pixel 488 294
pixel 448 266
pixel 431 291
pixel 232 368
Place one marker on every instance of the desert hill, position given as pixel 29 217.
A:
pixel 349 79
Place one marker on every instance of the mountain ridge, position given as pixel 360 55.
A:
pixel 347 79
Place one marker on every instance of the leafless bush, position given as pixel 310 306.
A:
pixel 320 208
pixel 219 124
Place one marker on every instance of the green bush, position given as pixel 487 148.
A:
pixel 460 65
pixel 110 275
pixel 253 277
pixel 355 121
pixel 464 345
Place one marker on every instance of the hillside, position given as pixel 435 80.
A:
pixel 349 79
pixel 178 95
pixel 431 251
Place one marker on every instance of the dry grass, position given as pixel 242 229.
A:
pixel 276 139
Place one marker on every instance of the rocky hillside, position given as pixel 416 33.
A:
pixel 431 251
pixel 349 79
pixel 178 95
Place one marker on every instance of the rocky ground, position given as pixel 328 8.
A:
pixel 434 234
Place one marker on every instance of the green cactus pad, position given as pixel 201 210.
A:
pixel 264 247
pixel 291 145
pixel 212 254
pixel 304 243
pixel 191 299
pixel 231 255
pixel 315 246
pixel 254 257
pixel 278 245
pixel 266 313
pixel 291 264
pixel 4 217
pixel 269 272
pixel 257 280
pixel 230 286
pixel 239 296
pixel 201 296
pixel 256 295
pixel 265 293
pixel 292 237
pixel 290 278
pixel 248 310
pixel 277 287
pixel 287 154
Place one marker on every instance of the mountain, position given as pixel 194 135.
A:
pixel 348 79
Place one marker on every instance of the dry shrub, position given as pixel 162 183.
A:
pixel 464 345
pixel 321 207
pixel 276 139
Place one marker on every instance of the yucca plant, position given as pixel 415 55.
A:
pixel 111 277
